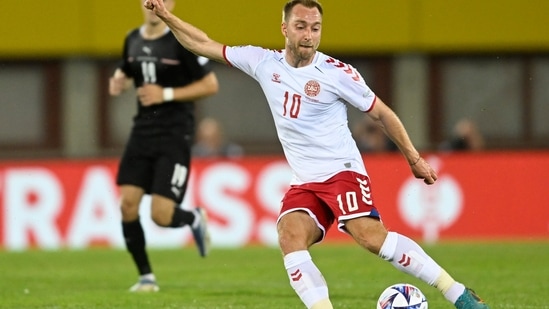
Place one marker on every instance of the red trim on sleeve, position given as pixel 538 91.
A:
pixel 372 106
pixel 225 55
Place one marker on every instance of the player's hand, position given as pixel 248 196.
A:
pixel 156 6
pixel 117 83
pixel 150 94
pixel 422 170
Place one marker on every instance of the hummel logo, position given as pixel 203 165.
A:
pixel 295 276
pixel 276 78
pixel 405 260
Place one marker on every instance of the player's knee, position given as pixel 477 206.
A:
pixel 294 235
pixel 290 242
pixel 129 209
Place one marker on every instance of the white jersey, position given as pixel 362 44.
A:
pixel 309 108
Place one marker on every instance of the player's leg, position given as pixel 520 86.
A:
pixel 134 237
pixel 407 256
pixel 358 216
pixel 297 231
pixel 171 176
pixel 165 212
pixel 134 178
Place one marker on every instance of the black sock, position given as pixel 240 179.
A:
pixel 182 217
pixel 135 243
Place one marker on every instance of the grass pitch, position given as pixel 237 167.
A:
pixel 507 275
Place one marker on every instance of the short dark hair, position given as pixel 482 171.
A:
pixel 306 3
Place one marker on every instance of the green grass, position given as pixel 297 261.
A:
pixel 507 275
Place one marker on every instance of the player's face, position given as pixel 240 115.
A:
pixel 302 32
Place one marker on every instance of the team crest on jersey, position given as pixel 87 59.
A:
pixel 312 88
pixel 276 78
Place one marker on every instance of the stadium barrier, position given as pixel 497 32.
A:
pixel 53 204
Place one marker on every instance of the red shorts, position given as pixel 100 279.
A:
pixel 345 196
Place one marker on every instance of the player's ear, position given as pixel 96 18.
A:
pixel 284 29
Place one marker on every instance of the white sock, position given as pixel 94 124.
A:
pixel 407 256
pixel 306 279
pixel 454 292
pixel 149 277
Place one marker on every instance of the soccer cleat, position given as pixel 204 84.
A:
pixel 470 300
pixel 145 285
pixel 200 232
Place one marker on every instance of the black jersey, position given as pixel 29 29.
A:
pixel 162 61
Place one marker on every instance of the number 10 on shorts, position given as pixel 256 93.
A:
pixel 349 202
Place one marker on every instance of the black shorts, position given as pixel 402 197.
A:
pixel 157 164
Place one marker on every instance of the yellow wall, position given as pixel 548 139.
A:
pixel 484 24
pixel 36 28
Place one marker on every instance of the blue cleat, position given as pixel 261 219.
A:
pixel 200 232
pixel 470 300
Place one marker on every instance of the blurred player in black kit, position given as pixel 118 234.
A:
pixel 156 161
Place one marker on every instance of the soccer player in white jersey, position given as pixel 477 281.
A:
pixel 308 92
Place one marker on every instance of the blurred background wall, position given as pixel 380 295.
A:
pixel 434 62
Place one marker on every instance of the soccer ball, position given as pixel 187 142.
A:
pixel 402 296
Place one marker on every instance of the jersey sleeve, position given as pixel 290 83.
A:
pixel 198 66
pixel 353 88
pixel 245 58
pixel 124 65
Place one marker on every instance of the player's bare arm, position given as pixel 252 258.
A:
pixel 199 89
pixel 150 94
pixel 192 38
pixel 386 118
